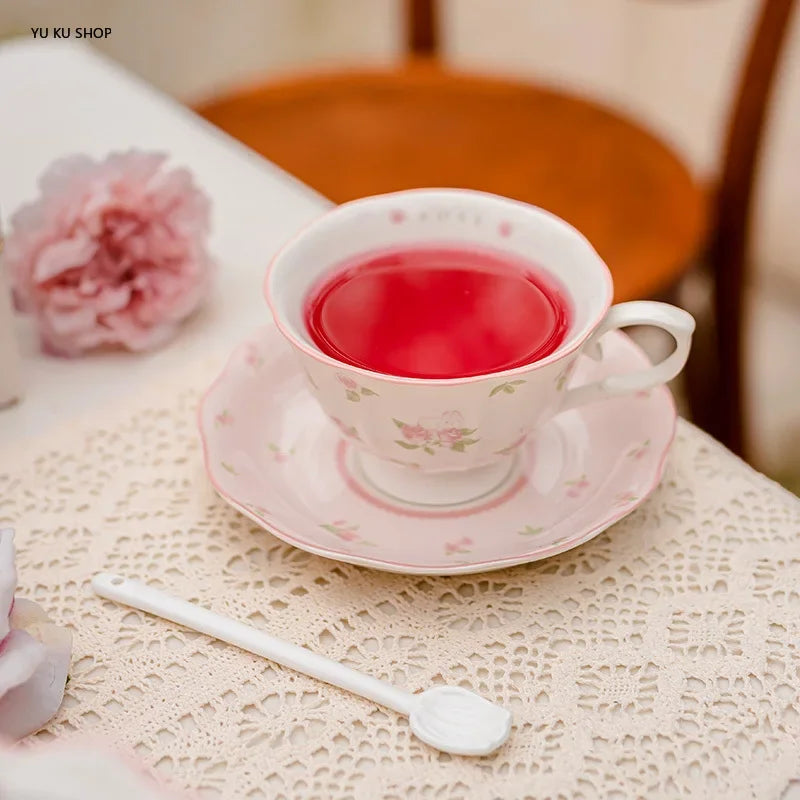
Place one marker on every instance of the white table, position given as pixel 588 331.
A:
pixel 59 99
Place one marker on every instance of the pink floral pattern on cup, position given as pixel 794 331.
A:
pixel 640 451
pixel 346 531
pixel 506 388
pixel 223 418
pixel 352 390
pixel 428 433
pixel 563 377
pixel 576 486
pixel 625 499
pixel 458 546
pixel 507 451
pixel 348 430
pixel 281 456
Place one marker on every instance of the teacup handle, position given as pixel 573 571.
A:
pixel 675 321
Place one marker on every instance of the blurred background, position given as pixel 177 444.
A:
pixel 673 68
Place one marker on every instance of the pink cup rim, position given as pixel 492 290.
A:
pixel 314 352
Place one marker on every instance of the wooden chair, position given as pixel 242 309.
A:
pixel 360 132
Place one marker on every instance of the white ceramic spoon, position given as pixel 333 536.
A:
pixel 449 718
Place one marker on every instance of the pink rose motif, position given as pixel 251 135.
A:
pixel 449 435
pixel 638 453
pixel 459 546
pixel 347 532
pixel 34 655
pixel 346 381
pixel 278 455
pixel 224 417
pixel 111 254
pixel 577 486
pixel 449 428
pixel 347 430
pixel 416 433
pixel 451 419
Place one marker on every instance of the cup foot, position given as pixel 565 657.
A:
pixel 421 488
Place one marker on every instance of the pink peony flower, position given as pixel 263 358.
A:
pixel 416 433
pixel 346 381
pixel 58 771
pixel 34 655
pixel 112 253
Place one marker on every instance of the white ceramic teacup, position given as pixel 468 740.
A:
pixel 450 440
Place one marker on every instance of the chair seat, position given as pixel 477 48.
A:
pixel 358 133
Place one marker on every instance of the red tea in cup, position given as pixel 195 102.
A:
pixel 437 312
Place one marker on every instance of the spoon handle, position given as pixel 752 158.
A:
pixel 153 601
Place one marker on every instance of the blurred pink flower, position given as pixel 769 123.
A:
pixel 55 771
pixel 34 655
pixel 112 252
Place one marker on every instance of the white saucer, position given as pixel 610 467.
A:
pixel 272 454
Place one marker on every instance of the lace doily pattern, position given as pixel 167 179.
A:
pixel 658 660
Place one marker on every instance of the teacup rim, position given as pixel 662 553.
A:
pixel 315 353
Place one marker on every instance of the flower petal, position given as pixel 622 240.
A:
pixel 61 174
pixel 31 704
pixel 20 657
pixel 63 255
pixel 66 771
pixel 68 322
pixel 8 578
pixel 112 298
pixel 26 614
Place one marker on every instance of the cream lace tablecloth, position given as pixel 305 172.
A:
pixel 659 660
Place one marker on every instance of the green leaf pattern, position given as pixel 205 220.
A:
pixel 352 390
pixel 509 387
